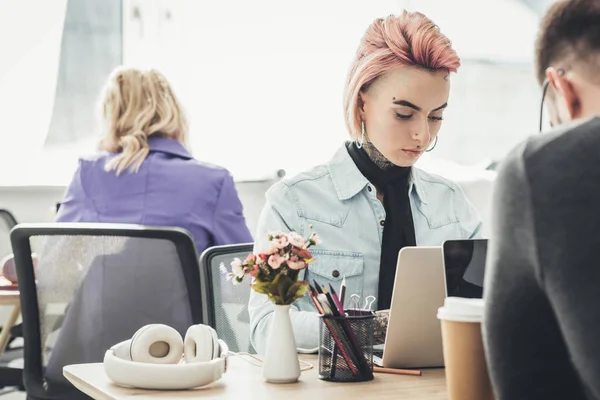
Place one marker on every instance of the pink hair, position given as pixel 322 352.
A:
pixel 410 39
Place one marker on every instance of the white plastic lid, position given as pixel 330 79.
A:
pixel 461 310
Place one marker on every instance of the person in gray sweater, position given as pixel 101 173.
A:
pixel 542 290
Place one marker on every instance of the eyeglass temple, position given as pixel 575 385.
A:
pixel 544 90
pixel 561 72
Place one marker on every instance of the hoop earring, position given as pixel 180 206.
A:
pixel 359 143
pixel 434 144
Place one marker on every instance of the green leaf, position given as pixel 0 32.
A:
pixel 283 290
pixel 278 289
pixel 272 292
pixel 293 274
pixel 274 286
pixel 261 286
pixel 296 291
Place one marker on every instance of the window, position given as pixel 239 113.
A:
pixel 49 82
pixel 91 48
pixel 262 81
pixel 494 101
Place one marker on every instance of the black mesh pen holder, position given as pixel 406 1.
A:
pixel 346 348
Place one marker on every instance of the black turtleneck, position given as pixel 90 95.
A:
pixel 398 230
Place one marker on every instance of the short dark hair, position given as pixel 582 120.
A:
pixel 569 33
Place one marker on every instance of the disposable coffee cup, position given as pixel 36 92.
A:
pixel 464 357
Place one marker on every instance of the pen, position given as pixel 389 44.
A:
pixel 395 371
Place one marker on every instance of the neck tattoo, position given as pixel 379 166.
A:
pixel 376 156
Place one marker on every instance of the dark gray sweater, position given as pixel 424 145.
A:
pixel 542 323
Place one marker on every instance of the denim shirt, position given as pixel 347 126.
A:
pixel 342 206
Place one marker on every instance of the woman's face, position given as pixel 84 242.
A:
pixel 402 111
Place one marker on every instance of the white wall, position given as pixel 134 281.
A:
pixel 36 204
pixel 262 81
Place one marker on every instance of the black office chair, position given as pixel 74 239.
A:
pixel 95 285
pixel 225 304
pixel 8 217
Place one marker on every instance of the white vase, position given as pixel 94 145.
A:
pixel 281 363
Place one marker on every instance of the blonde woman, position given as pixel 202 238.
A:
pixel 145 173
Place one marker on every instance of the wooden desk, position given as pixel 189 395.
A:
pixel 9 298
pixel 245 381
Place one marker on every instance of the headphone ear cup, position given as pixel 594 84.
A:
pixel 123 350
pixel 201 344
pixel 156 344
pixel 216 345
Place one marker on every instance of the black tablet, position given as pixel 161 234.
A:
pixel 464 266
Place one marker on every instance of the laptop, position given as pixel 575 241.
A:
pixel 414 338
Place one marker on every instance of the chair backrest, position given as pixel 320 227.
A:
pixel 225 304
pixel 7 222
pixel 94 286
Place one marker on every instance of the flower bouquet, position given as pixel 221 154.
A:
pixel 275 271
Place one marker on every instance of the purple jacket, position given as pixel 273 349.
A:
pixel 171 188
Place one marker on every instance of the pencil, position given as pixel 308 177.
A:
pixel 343 291
pixel 395 371
pixel 317 287
pixel 340 308
pixel 332 303
pixel 347 331
pixel 336 339
pixel 313 297
pixel 337 301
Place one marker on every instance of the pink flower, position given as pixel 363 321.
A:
pixel 296 240
pixel 271 250
pixel 302 253
pixel 275 261
pixel 250 259
pixel 281 241
pixel 297 265
pixel 254 270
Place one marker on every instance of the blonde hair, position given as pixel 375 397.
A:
pixel 135 105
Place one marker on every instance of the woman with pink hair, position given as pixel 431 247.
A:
pixel 369 201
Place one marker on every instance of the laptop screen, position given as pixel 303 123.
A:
pixel 464 266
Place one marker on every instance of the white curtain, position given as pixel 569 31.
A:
pixel 30 40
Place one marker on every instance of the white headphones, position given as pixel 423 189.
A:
pixel 152 358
